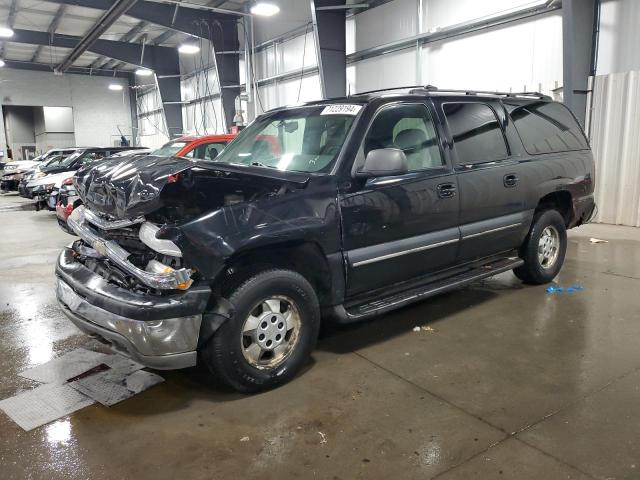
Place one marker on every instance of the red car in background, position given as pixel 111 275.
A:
pixel 206 148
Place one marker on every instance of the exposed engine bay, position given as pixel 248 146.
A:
pixel 146 220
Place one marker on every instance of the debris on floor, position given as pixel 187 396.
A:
pixel 113 386
pixel 43 405
pixel 571 289
pixel 323 438
pixel 425 328
pixel 598 240
pixel 69 365
pixel 73 381
pixel 244 439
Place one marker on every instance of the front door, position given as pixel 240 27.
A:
pixel 490 180
pixel 400 227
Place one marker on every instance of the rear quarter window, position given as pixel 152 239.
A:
pixel 546 127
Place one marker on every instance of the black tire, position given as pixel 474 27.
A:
pixel 224 355
pixel 532 271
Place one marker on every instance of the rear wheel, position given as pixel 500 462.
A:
pixel 544 249
pixel 270 335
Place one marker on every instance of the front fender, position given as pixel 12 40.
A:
pixel 310 215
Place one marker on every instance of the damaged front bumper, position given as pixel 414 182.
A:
pixel 159 332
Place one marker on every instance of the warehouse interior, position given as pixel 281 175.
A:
pixel 496 379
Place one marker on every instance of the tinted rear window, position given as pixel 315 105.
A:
pixel 477 135
pixel 546 127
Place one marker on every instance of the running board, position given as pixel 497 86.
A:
pixel 353 313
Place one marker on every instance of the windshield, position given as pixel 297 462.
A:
pixel 70 159
pixel 306 139
pixel 169 149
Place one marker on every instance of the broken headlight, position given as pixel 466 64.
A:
pixel 147 236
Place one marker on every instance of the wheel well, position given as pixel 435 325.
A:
pixel 560 201
pixel 305 258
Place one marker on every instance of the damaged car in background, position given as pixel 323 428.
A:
pixel 15 171
pixel 342 209
pixel 44 187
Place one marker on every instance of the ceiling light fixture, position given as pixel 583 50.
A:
pixel 189 48
pixel 1 63
pixel 144 72
pixel 264 9
pixel 116 87
pixel 6 32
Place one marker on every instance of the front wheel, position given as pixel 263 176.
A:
pixel 270 335
pixel 544 249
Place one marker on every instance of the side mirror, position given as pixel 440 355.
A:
pixel 384 162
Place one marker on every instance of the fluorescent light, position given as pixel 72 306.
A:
pixel 1 63
pixel 116 87
pixel 189 48
pixel 6 32
pixel 264 9
pixel 144 72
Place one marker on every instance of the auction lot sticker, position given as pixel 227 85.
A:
pixel 341 109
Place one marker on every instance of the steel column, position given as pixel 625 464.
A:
pixel 578 25
pixel 329 31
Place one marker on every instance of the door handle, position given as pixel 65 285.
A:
pixel 446 190
pixel 510 180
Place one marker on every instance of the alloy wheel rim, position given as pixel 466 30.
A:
pixel 548 247
pixel 270 332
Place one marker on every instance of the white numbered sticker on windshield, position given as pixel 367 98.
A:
pixel 341 109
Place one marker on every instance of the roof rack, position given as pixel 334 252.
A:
pixel 432 89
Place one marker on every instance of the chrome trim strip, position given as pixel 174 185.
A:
pixel 472 235
pixel 405 252
pixel 110 225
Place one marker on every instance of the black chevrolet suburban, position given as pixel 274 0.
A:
pixel 340 209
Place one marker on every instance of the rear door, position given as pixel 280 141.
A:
pixel 493 217
pixel 399 227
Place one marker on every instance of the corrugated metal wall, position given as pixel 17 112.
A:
pixel 615 140
pixel 523 55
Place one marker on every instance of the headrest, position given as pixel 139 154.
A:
pixel 410 139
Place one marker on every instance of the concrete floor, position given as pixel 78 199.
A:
pixel 513 382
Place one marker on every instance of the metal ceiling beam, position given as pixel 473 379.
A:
pixel 163 37
pixel 163 60
pixel 116 10
pixel 11 20
pixel 44 67
pixel 187 20
pixel 51 30
pixel 127 37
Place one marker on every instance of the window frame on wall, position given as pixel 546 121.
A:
pixel 489 104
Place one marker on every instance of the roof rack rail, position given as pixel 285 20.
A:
pixel 385 90
pixel 433 89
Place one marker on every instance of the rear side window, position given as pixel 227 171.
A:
pixel 477 135
pixel 546 127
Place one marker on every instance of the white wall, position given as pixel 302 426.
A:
pixel 521 55
pixel 97 111
pixel 293 14
pixel 619 42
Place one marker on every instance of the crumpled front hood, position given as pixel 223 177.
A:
pixel 127 187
